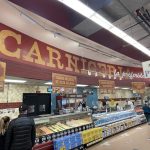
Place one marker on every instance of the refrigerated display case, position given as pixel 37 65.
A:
pixel 49 128
pixel 113 123
pixel 108 118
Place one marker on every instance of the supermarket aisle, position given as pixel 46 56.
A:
pixel 134 139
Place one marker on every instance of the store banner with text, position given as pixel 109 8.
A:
pixel 2 75
pixel 146 69
pixel 20 48
pixel 61 80
pixel 107 86
pixel 138 87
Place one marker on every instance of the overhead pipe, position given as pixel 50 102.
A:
pixel 139 14
pixel 144 13
pixel 148 13
pixel 127 9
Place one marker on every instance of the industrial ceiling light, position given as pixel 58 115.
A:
pixel 84 10
pixel 96 86
pixel 96 74
pixel 125 88
pixel 117 87
pixel 14 81
pixel 81 85
pixel 48 83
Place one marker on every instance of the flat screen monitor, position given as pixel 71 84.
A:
pixel 38 103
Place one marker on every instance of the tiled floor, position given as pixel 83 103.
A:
pixel 137 138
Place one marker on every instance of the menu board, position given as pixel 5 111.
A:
pixel 138 87
pixel 61 80
pixel 107 86
pixel 2 75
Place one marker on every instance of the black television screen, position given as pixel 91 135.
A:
pixel 38 103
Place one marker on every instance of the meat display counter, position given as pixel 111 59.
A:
pixel 52 128
pixel 113 123
pixel 49 128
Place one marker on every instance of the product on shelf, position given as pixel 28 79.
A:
pixel 77 123
pixel 53 128
pixel 117 127
pixel 39 132
pixel 88 119
pixel 104 119
pixel 58 123
pixel 46 130
pixel 58 127
pixel 63 126
pixel 42 130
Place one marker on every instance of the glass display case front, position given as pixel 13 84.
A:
pixel 53 127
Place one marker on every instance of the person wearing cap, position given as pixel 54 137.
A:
pixel 21 134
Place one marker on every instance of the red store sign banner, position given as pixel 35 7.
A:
pixel 15 46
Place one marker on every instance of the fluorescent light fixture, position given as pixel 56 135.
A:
pixel 96 74
pixel 89 73
pixel 117 87
pixel 96 86
pixel 118 32
pixel 100 21
pixel 125 88
pixel 48 83
pixel 81 85
pixel 79 7
pixel 14 81
pixel 84 10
